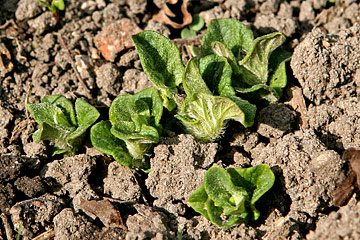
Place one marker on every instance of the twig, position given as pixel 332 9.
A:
pixel 49 234
pixel 22 125
pixel 8 23
pixel 7 226
pixel 81 81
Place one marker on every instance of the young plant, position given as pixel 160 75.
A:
pixel 258 65
pixel 203 114
pixel 61 123
pixel 55 6
pixel 227 198
pixel 196 25
pixel 133 127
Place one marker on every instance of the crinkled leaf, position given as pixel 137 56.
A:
pixel 105 142
pixel 193 81
pixel 224 193
pixel 161 61
pixel 257 180
pixel 217 72
pixel 277 67
pixel 215 216
pixel 64 104
pixel 232 33
pixel 256 60
pixel 205 116
pixel 137 116
pixel 86 115
pixel 58 123
pixel 48 116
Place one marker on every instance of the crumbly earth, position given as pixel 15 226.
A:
pixel 301 138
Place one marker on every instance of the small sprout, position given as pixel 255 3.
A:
pixel 227 198
pixel 61 123
pixel 55 6
pixel 133 127
pixel 196 25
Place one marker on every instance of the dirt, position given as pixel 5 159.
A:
pixel 90 196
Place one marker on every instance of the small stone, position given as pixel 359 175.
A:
pixel 121 184
pixel 276 120
pixel 27 9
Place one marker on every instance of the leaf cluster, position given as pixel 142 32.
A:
pixel 206 93
pixel 133 127
pixel 61 123
pixel 227 197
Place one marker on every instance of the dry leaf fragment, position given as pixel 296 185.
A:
pixel 6 65
pixel 165 13
pixel 115 38
pixel 104 210
pixel 346 188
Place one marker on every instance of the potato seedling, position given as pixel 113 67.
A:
pixel 231 194
pixel 55 5
pixel 60 123
pixel 133 127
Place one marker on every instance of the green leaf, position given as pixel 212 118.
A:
pixel 197 23
pixel 105 142
pixel 193 81
pixel 277 67
pixel 186 33
pixel 64 104
pixel 217 73
pixel 86 115
pixel 44 4
pixel 221 50
pixel 59 4
pixel 161 61
pixel 232 33
pixel 197 201
pixel 248 108
pixel 258 180
pixel 205 116
pixel 260 91
pixel 257 59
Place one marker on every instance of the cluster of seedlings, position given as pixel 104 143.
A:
pixel 227 76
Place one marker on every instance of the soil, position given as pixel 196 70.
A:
pixel 88 54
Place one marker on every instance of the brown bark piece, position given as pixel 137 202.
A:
pixel 165 13
pixel 104 210
pixel 116 37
